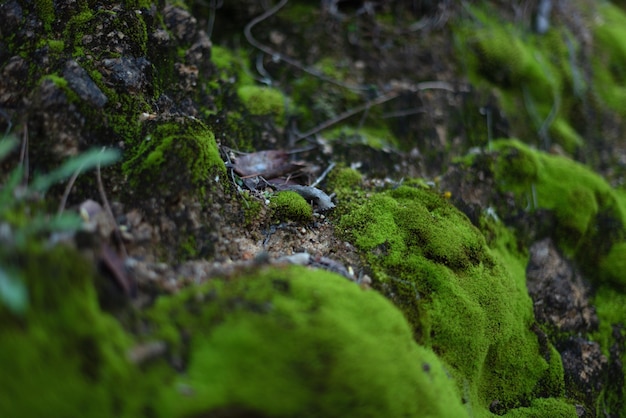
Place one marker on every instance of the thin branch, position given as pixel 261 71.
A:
pixel 68 189
pixel 275 54
pixel 426 85
pixel 24 154
pixel 323 175
pixel 108 210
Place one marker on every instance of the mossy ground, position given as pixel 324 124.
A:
pixel 590 219
pixel 590 216
pixel 295 342
pixel 457 294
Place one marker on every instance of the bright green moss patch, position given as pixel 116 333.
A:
pixel 264 101
pixel 231 64
pixel 545 407
pixel 610 56
pixel 286 342
pixel 589 213
pixel 174 157
pixel 290 205
pixel 344 178
pixel 64 350
pixel 457 294
pixel 611 310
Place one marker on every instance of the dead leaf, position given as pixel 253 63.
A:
pixel 267 164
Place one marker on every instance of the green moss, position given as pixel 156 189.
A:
pixel 609 62
pixel 589 213
pixel 318 100
pixel 251 208
pixel 458 295
pixel 290 205
pixel 232 64
pixel 264 101
pixel 287 342
pixel 188 249
pixel 611 309
pixel 563 133
pixel 542 407
pixel 376 138
pixel 344 178
pixel 173 158
pixel 535 78
pixel 65 350
pixel 45 12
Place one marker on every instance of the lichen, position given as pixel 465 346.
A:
pixel 290 205
pixel 457 294
pixel 295 342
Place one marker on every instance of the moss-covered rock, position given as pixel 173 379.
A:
pixel 457 294
pixel 285 342
pixel 175 157
pixel 589 214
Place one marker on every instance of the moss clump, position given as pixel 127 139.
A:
pixel 286 342
pixel 344 178
pixel 545 407
pixel 457 294
pixel 611 309
pixel 64 350
pixel 264 101
pixel 590 215
pixel 290 205
pixel 231 64
pixel 174 157
pixel 45 12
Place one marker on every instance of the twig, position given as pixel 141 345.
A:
pixel 426 85
pixel 275 54
pixel 68 189
pixel 24 154
pixel 213 6
pixel 323 175
pixel 108 210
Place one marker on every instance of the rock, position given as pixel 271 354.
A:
pixel 126 74
pixel 79 81
pixel 559 295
